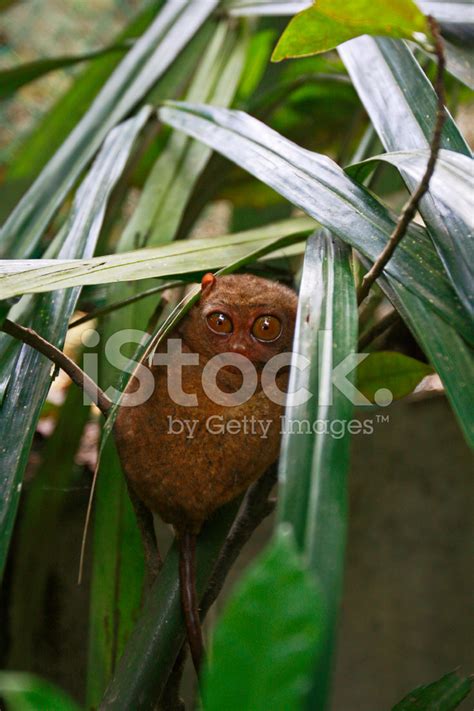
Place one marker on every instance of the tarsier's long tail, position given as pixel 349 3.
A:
pixel 189 598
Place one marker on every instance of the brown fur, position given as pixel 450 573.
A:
pixel 186 480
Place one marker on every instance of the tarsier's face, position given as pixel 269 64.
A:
pixel 242 314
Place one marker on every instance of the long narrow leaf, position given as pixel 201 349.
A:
pixel 117 575
pixel 175 172
pixel 31 376
pixel 184 257
pixel 445 694
pixel 401 104
pixel 354 218
pixel 38 529
pixel 115 593
pixel 146 62
pixel 159 633
pixel 315 449
pixel 12 79
pixel 53 128
pixel 317 185
pixel 449 213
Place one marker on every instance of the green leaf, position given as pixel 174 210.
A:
pixel 455 18
pixel 447 209
pixel 172 178
pixel 53 128
pixel 179 258
pixel 32 373
pixel 117 575
pixel 399 97
pixel 460 62
pixel 39 527
pixel 314 455
pixel 329 23
pixel 443 695
pixel 317 185
pixel 267 638
pixel 138 72
pixel 391 371
pixel 13 79
pixel 450 355
pixel 115 592
pixel 159 633
pixel 455 15
pixel 28 692
pixel 399 89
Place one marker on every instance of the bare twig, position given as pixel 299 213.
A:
pixel 256 508
pixel 378 328
pixel 125 302
pixel 56 356
pixel 410 208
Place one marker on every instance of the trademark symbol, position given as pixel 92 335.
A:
pixel 382 419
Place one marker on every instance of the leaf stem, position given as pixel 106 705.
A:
pixel 411 206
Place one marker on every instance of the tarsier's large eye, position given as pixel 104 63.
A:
pixel 266 328
pixel 220 323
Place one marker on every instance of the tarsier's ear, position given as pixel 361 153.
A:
pixel 207 283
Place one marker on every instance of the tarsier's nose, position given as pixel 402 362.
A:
pixel 240 348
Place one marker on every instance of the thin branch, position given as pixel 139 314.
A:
pixel 125 302
pixel 411 206
pixel 256 508
pixel 377 329
pixel 56 356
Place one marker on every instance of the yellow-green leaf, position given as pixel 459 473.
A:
pixel 329 23
pixel 389 371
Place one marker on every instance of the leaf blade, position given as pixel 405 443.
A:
pixel 392 371
pixel 264 645
pixel 143 65
pixel 183 257
pixel 13 79
pixel 314 463
pixel 22 404
pixel 329 23
pixel 445 694
pixel 314 183
pixel 446 209
pixel 399 89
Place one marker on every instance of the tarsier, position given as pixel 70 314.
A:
pixel 182 477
